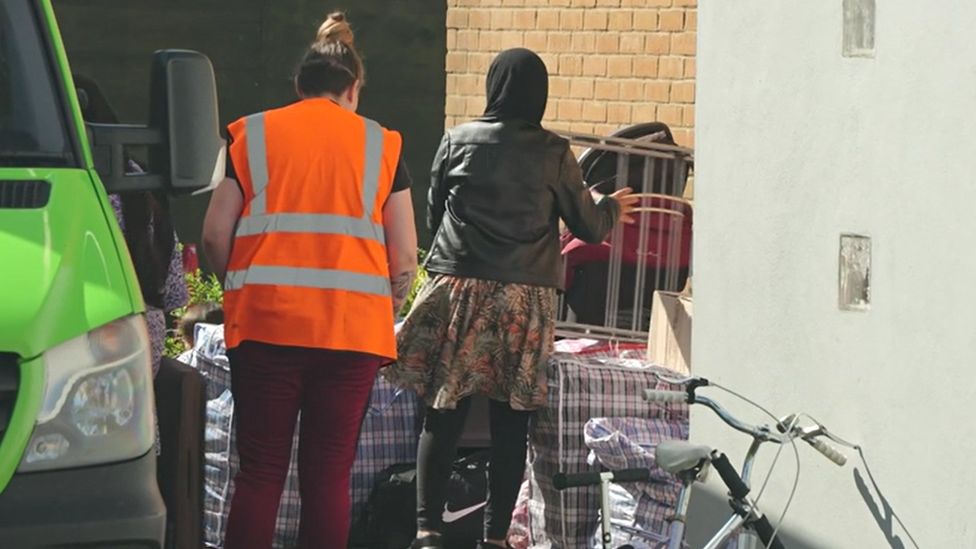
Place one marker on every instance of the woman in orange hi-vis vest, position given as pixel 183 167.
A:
pixel 314 238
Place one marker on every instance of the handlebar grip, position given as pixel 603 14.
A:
pixel 737 488
pixel 631 475
pixel 828 451
pixel 561 481
pixel 654 395
pixel 765 532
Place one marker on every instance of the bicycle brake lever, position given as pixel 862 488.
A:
pixel 787 423
pixel 801 432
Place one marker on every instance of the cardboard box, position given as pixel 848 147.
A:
pixel 669 339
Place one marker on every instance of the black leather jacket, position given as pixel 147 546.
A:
pixel 498 190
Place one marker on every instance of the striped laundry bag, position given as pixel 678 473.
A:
pixel 640 512
pixel 221 461
pixel 519 535
pixel 389 435
pixel 591 381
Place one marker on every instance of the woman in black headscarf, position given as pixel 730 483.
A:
pixel 484 322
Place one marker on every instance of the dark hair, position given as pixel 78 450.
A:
pixel 207 313
pixel 148 229
pixel 94 105
pixel 331 63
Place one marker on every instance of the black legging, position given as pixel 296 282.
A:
pixel 436 453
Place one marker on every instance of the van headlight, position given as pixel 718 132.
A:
pixel 98 400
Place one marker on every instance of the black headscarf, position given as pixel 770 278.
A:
pixel 517 86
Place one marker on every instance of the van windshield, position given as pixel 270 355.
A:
pixel 32 126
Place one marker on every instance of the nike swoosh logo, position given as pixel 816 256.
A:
pixel 452 516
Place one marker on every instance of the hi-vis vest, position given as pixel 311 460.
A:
pixel 309 265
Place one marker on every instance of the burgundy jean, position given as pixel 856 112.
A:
pixel 271 384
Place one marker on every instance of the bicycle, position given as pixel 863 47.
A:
pixel 690 463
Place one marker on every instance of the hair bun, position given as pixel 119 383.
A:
pixel 335 28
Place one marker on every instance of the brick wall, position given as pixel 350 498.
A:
pixel 612 63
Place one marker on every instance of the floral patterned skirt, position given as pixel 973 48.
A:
pixel 466 336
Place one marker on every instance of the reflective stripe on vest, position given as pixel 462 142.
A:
pixel 311 223
pixel 257 159
pixel 258 222
pixel 371 168
pixel 324 279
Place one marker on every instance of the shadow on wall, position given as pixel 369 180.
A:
pixel 882 512
pixel 709 510
pixel 255 46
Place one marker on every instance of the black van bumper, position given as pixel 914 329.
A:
pixel 113 506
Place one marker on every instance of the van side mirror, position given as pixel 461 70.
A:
pixel 186 150
pixel 183 103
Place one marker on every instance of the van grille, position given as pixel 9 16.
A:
pixel 24 194
pixel 9 382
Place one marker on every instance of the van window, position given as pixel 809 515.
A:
pixel 32 126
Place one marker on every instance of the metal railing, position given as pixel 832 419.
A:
pixel 652 254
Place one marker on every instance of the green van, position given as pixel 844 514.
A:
pixel 76 395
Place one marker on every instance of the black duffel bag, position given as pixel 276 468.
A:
pixel 390 518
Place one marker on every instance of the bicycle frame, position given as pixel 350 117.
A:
pixel 676 533
pixel 748 510
pixel 689 461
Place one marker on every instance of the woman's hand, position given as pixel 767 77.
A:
pixel 627 202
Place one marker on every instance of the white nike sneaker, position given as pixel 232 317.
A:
pixel 430 541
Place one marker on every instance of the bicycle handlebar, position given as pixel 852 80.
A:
pixel 810 436
pixel 762 433
pixel 737 488
pixel 561 481
pixel 654 395
pixel 827 450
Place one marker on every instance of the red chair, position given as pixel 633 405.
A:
pixel 660 239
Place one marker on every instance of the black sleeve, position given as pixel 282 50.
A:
pixel 437 194
pixel 588 220
pixel 229 170
pixel 402 179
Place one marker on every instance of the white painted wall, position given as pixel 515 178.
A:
pixel 794 146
